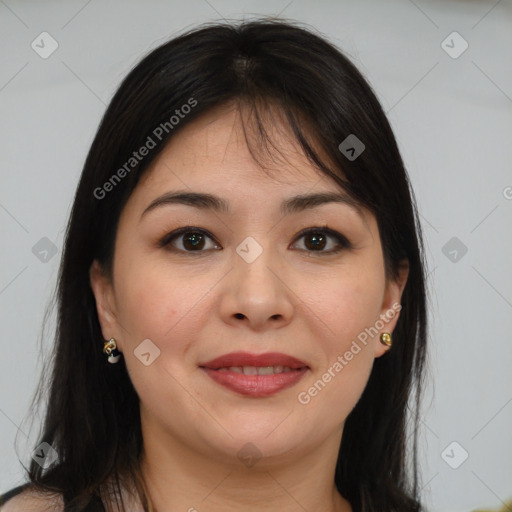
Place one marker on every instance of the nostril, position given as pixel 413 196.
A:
pixel 240 316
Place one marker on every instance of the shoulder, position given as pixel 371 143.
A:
pixel 28 499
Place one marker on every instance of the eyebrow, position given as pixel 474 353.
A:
pixel 291 205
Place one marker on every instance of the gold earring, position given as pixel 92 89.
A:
pixel 110 348
pixel 385 339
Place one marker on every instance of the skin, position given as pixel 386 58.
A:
pixel 194 307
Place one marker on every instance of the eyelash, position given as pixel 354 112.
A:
pixel 342 241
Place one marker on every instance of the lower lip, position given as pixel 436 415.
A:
pixel 256 385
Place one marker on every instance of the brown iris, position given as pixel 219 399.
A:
pixel 193 241
pixel 315 241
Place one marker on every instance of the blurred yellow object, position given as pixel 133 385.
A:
pixel 506 508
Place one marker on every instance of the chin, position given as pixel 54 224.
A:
pixel 265 444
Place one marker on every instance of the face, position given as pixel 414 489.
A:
pixel 258 270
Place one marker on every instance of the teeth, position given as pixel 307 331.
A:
pixel 266 370
pixel 257 370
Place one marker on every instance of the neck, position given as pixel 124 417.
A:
pixel 179 478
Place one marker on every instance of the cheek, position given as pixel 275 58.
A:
pixel 157 303
pixel 342 311
pixel 342 305
pixel 335 391
pixel 340 378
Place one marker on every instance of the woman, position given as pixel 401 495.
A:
pixel 244 249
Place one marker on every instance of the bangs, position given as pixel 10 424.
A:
pixel 265 120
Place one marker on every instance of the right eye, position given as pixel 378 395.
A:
pixel 189 239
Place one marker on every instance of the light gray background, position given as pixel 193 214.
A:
pixel 452 118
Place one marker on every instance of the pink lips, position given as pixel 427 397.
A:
pixel 255 385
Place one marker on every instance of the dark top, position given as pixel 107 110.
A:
pixel 95 505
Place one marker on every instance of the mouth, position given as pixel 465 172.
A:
pixel 255 375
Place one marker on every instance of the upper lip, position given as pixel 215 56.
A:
pixel 258 360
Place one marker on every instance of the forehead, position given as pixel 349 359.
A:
pixel 214 156
pixel 224 147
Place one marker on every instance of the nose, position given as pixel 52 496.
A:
pixel 256 295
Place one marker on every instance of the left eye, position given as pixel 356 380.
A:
pixel 322 240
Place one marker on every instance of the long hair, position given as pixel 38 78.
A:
pixel 92 411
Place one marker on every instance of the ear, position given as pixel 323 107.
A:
pixel 391 305
pixel 103 292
